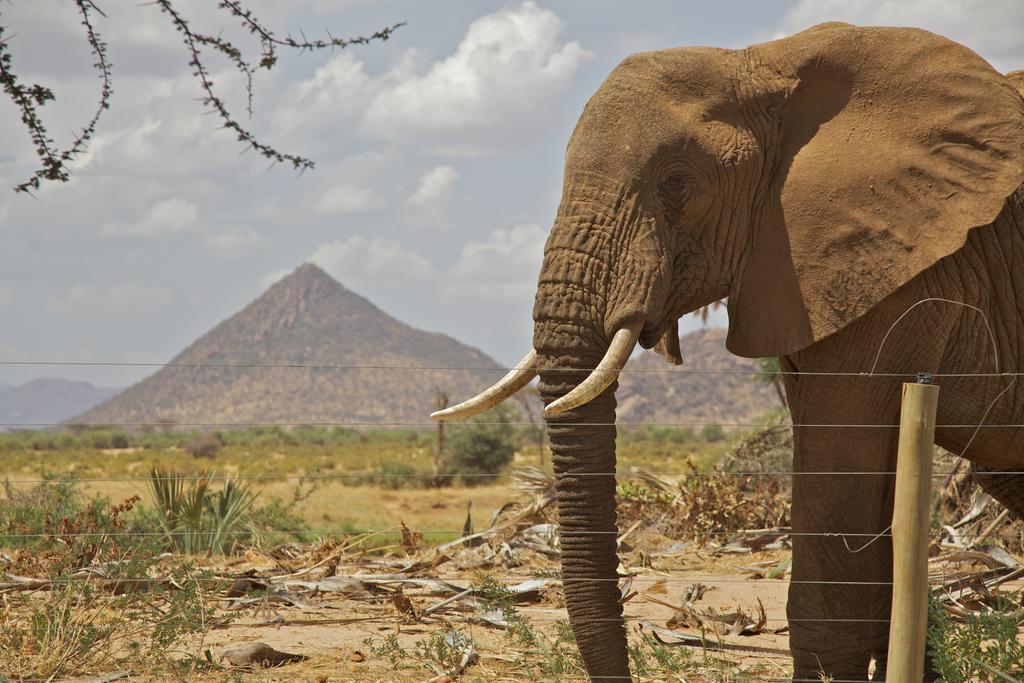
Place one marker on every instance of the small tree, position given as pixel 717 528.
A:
pixel 769 372
pixel 484 446
pixel 439 464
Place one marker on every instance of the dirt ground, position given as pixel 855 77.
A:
pixel 419 601
pixel 330 645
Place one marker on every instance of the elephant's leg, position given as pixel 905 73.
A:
pixel 841 590
pixel 840 594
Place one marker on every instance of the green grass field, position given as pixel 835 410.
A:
pixel 333 480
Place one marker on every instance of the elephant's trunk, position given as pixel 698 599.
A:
pixel 583 455
pixel 586 318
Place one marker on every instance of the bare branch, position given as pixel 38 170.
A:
pixel 28 98
pixel 53 160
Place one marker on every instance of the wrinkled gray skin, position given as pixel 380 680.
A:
pixel 799 179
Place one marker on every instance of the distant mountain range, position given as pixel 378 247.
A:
pixel 723 391
pixel 311 351
pixel 312 330
pixel 48 401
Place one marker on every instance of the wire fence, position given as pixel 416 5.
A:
pixel 689 580
pixel 426 532
pixel 467 475
pixel 782 533
pixel 675 370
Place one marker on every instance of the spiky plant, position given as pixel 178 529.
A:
pixel 195 518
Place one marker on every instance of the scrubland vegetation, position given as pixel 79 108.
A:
pixel 155 575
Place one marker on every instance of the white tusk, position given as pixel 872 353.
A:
pixel 603 375
pixel 519 377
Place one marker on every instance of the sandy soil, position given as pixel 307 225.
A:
pixel 332 634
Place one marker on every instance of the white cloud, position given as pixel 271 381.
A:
pixel 378 259
pixel 119 297
pixel 339 88
pixel 434 186
pixel 234 242
pixel 990 27
pixel 490 94
pixel 166 217
pixel 508 68
pixel 5 294
pixel 504 268
pixel 346 199
pixel 134 144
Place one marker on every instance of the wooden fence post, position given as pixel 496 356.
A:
pixel 910 521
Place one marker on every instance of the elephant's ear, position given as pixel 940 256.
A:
pixel 893 145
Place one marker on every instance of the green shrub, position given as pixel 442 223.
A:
pixel 394 475
pixel 314 436
pixel 273 437
pixel 193 517
pixel 768 448
pixel 43 442
pixel 205 446
pixel 712 433
pixel 485 446
pixel 100 440
pixel 984 648
pixel 79 626
pixel 674 435
pixel 26 513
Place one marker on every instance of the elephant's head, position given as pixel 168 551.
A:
pixel 805 179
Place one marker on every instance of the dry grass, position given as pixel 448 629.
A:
pixel 385 630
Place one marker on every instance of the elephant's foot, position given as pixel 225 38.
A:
pixel 847 666
pixel 834 660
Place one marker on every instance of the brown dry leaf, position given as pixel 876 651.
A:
pixel 403 604
pixel 244 586
pixel 762 620
pixel 625 590
pixel 768 570
pixel 357 656
pixel 704 505
pixel 694 592
pixel 410 540
pixel 684 618
pixel 255 559
pixel 744 626
pixel 737 623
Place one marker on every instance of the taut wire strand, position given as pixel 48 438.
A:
pixel 991 335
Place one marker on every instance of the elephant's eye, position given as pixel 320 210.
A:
pixel 673 190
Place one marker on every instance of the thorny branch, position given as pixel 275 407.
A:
pixel 28 98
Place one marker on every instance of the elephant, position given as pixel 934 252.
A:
pixel 844 188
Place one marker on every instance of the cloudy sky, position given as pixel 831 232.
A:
pixel 438 159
